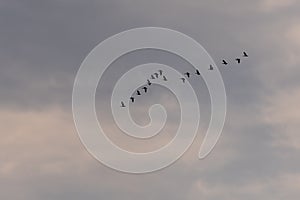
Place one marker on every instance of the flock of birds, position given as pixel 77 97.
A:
pixel 159 74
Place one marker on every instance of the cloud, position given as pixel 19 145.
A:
pixel 282 114
pixel 293 35
pixel 275 5
pixel 286 185
pixel 38 141
pixel 41 156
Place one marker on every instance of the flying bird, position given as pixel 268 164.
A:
pixel 183 80
pixel 148 82
pixel 122 104
pixel 165 78
pixel 132 99
pixel 145 89
pixel 156 75
pixel 152 77
pixel 138 93
pixel 187 74
pixel 238 60
pixel 211 67
pixel 225 62
pixel 160 72
pixel 245 54
pixel 197 72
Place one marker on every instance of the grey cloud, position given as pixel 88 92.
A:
pixel 43 44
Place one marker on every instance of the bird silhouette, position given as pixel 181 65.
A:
pixel 165 78
pixel 187 74
pixel 152 77
pixel 132 99
pixel 156 75
pixel 148 82
pixel 197 72
pixel 183 80
pixel 138 93
pixel 225 62
pixel 245 54
pixel 122 104
pixel 238 60
pixel 145 89
pixel 211 67
pixel 160 72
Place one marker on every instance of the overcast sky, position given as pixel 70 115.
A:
pixel 42 44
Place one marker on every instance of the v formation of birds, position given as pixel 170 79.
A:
pixel 159 74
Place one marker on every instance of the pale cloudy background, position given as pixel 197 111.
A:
pixel 42 44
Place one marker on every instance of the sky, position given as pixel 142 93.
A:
pixel 42 45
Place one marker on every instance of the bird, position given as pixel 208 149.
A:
pixel 183 80
pixel 148 82
pixel 160 72
pixel 165 78
pixel 122 104
pixel 225 62
pixel 197 72
pixel 238 60
pixel 245 54
pixel 152 77
pixel 156 75
pixel 138 93
pixel 145 89
pixel 187 74
pixel 132 99
pixel 211 67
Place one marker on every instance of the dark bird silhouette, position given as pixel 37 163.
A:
pixel 245 54
pixel 138 93
pixel 165 78
pixel 145 89
pixel 183 80
pixel 148 82
pixel 225 62
pixel 132 99
pixel 197 72
pixel 160 72
pixel 238 60
pixel 187 74
pixel 122 104
pixel 152 77
pixel 211 67
pixel 156 75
